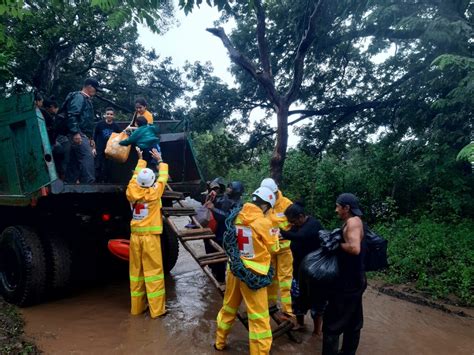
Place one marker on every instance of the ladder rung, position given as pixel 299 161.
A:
pixel 175 195
pixel 212 255
pixel 178 211
pixel 195 231
pixel 197 237
pixel 213 261
pixel 282 329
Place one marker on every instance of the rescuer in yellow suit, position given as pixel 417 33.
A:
pixel 256 241
pixel 282 261
pixel 146 264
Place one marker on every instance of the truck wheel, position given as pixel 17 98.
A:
pixel 22 266
pixel 58 262
pixel 169 250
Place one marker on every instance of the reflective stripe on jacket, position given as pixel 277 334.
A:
pixel 146 201
pixel 278 218
pixel 256 238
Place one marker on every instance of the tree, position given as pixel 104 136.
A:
pixel 322 60
pixel 56 48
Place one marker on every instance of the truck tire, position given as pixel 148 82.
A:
pixel 22 266
pixel 58 263
pixel 169 250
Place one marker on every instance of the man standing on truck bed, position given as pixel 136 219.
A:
pixel 79 116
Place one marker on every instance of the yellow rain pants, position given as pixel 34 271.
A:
pixel 146 275
pixel 282 262
pixel 260 333
pixel 146 263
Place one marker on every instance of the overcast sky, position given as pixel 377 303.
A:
pixel 189 41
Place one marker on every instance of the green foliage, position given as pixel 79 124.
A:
pixel 12 340
pixel 217 153
pixel 437 257
pixel 424 210
pixel 189 5
pixel 155 14
pixel 467 153
pixel 57 48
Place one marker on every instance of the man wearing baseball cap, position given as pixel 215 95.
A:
pixel 343 314
pixel 79 115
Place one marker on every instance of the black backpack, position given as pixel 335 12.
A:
pixel 376 254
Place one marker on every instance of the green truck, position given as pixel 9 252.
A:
pixel 53 236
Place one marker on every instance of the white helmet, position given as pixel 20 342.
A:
pixel 265 194
pixel 270 183
pixel 146 177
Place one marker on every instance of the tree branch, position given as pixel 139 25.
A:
pixel 245 63
pixel 305 43
pixel 262 40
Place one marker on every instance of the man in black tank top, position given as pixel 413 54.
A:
pixel 344 314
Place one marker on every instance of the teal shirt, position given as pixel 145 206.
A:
pixel 144 137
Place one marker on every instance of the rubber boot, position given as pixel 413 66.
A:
pixel 350 342
pixel 330 344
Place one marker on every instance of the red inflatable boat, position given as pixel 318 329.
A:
pixel 120 248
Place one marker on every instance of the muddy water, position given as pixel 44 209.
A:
pixel 97 322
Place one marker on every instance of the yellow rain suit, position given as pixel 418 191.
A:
pixel 146 264
pixel 256 239
pixel 282 261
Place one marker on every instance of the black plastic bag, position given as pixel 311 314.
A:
pixel 376 256
pixel 320 267
pixel 330 240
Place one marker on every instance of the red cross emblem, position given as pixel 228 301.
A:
pixel 138 208
pixel 241 239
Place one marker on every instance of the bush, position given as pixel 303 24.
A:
pixel 438 257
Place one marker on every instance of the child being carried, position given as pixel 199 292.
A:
pixel 146 138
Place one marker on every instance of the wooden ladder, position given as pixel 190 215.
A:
pixel 188 235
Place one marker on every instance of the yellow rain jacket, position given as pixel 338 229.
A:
pixel 277 216
pixel 256 238
pixel 282 261
pixel 147 284
pixel 146 202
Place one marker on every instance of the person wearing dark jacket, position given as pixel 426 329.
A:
pixel 221 209
pixel 146 138
pixel 102 133
pixel 304 236
pixel 49 111
pixel 79 114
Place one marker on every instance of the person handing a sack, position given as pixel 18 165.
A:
pixel 146 138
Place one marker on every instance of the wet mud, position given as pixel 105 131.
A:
pixel 97 321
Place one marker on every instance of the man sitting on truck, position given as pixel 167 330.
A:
pixel 79 121
pixel 146 263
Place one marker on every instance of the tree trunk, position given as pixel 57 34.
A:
pixel 47 72
pixel 279 153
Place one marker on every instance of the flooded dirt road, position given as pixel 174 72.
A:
pixel 97 321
